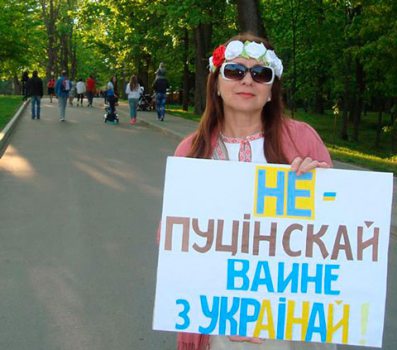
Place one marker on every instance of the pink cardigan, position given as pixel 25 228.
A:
pixel 298 139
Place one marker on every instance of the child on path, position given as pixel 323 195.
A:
pixel 80 89
pixel 133 91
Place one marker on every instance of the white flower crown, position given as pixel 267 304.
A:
pixel 248 49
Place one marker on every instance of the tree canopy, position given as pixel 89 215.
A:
pixel 335 52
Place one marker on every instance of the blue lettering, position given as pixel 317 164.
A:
pixel 265 280
pixel 329 278
pixel 293 192
pixel 228 316
pixel 316 279
pixel 293 278
pixel 245 317
pixel 317 311
pixel 234 273
pixel 183 314
pixel 211 314
pixel 281 318
pixel 264 191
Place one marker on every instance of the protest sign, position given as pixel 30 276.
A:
pixel 254 250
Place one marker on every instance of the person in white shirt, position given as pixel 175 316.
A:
pixel 133 91
pixel 80 91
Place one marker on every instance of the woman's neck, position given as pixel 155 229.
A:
pixel 241 124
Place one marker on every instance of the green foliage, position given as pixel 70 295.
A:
pixel 323 45
pixel 8 106
pixel 21 37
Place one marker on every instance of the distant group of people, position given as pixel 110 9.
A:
pixel 66 90
pixel 62 88
pixel 77 90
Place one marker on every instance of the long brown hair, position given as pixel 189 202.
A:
pixel 213 116
pixel 133 83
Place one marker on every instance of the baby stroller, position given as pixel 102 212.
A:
pixel 110 117
pixel 145 102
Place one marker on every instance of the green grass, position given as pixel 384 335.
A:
pixel 362 153
pixel 8 106
pixel 179 112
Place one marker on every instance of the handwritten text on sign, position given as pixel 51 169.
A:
pixel 255 250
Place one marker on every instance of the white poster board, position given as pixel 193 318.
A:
pixel 252 250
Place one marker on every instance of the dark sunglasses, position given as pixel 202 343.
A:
pixel 237 71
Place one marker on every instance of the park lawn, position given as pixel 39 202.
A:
pixel 362 153
pixel 179 112
pixel 8 107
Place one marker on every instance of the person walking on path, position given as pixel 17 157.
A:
pixel 161 71
pixel 160 87
pixel 115 88
pixel 34 88
pixel 90 87
pixel 80 90
pixel 51 88
pixel 24 80
pixel 72 92
pixel 133 91
pixel 62 88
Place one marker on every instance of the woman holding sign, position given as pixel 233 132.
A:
pixel 244 121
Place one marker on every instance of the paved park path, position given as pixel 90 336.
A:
pixel 80 203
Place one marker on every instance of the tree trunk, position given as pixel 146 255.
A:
pixel 71 43
pixel 51 68
pixel 294 21
pixel 379 127
pixel 185 101
pixel 202 40
pixel 50 13
pixel 319 101
pixel 393 111
pixel 394 137
pixel 358 102
pixel 65 53
pixel 17 85
pixel 73 60
pixel 142 65
pixel 319 94
pixel 345 113
pixel 248 17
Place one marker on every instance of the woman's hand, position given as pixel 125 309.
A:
pixel 247 339
pixel 301 166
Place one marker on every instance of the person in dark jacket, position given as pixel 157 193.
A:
pixel 34 89
pixel 24 81
pixel 160 87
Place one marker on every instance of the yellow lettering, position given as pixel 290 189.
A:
pixel 268 327
pixel 343 323
pixel 292 320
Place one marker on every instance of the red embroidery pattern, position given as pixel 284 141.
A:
pixel 245 153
